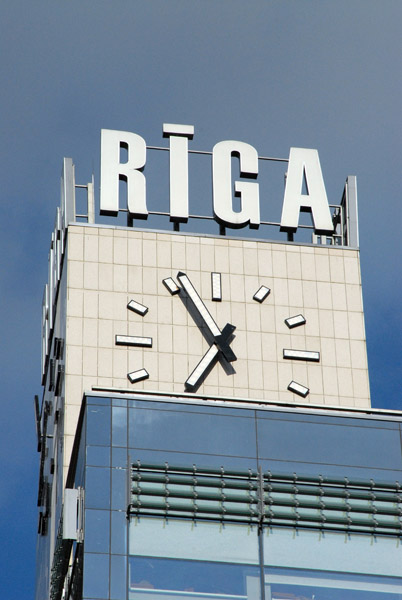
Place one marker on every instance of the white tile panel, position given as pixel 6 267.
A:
pixel 91 248
pixel 105 249
pixel 333 311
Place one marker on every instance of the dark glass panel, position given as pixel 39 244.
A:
pixel 186 459
pixel 96 575
pixel 119 532
pixel 315 469
pixel 350 420
pixel 119 402
pixel 119 457
pixel 119 489
pixel 118 579
pixel 97 487
pixel 119 426
pixel 192 432
pixel 97 528
pixel 329 444
pixel 98 425
pixel 193 407
pixel 98 400
pixel 98 456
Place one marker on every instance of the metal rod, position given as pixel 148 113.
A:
pixel 271 516
pixel 208 153
pixel 269 477
pixel 349 528
pixel 319 504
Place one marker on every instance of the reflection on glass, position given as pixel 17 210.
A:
pixel 154 578
pixel 98 456
pixel 331 444
pixel 181 459
pixel 119 426
pixel 118 543
pixel 119 457
pixel 97 530
pixel 96 575
pixel 98 425
pixel 192 432
pixel 97 487
pixel 118 578
pixel 186 407
pixel 295 584
pixel 119 489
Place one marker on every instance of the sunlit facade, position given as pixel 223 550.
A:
pixel 205 429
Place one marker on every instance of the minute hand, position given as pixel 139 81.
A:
pixel 220 341
pixel 198 304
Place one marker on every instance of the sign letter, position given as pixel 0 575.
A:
pixel 304 165
pixel 247 190
pixel 112 170
pixel 179 136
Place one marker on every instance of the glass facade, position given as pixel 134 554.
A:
pixel 146 554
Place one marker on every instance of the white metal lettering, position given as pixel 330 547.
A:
pixel 247 190
pixel 305 164
pixel 179 136
pixel 112 170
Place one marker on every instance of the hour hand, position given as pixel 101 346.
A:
pixel 205 364
pixel 222 342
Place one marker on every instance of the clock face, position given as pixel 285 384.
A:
pixel 219 337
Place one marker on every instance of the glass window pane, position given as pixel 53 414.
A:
pixel 97 529
pixel 349 421
pixel 118 581
pixel 96 575
pixel 119 426
pixel 192 432
pixel 154 578
pixel 98 425
pixel 97 487
pixel 119 457
pixel 187 459
pixel 295 583
pixel 98 400
pixel 305 549
pixel 327 444
pixel 187 407
pixel 98 456
pixel 119 489
pixel 200 540
pixel 119 532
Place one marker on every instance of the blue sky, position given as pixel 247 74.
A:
pixel 275 74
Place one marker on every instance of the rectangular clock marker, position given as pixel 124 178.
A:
pixel 216 287
pixel 295 321
pixel 139 375
pixel 138 308
pixel 171 286
pixel 133 340
pixel 261 294
pixel 298 389
pixel 301 355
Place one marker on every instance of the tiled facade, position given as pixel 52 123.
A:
pixel 107 267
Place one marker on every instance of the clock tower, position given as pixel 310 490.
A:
pixel 206 414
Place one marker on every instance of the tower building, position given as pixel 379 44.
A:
pixel 205 428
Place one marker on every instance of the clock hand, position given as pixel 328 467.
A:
pixel 222 342
pixel 205 363
pixel 200 370
pixel 220 337
pixel 198 304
